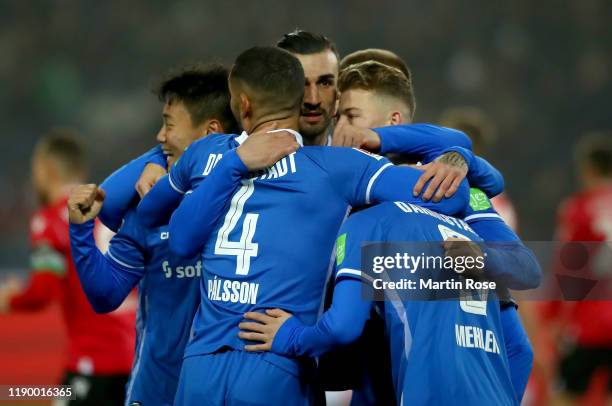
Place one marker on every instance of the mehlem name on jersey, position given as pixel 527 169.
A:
pixel 476 337
pixel 226 290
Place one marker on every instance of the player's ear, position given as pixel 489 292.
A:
pixel 213 126
pixel 245 106
pixel 395 118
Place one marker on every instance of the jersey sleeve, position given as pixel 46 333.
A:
pixel 342 324
pixel 396 183
pixel 356 230
pixel 423 141
pixel 106 279
pixel 508 261
pixel 364 178
pixel 47 264
pixel 47 252
pixel 127 248
pixel 353 172
pixel 120 187
pixel 156 208
pixel 194 219
pixel 182 171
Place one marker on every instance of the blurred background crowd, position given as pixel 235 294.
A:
pixel 538 73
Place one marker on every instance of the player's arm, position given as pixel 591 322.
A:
pixel 363 178
pixel 423 141
pixel 194 219
pixel 341 324
pixel 508 260
pixel 120 187
pixel 284 334
pixel 48 267
pixel 155 209
pixel 396 183
pixel 106 279
pixel 426 142
pixel 481 174
pixel 43 287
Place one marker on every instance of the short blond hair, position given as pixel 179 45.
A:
pixel 380 78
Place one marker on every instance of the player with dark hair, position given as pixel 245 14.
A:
pixel 100 347
pixel 250 249
pixel 319 58
pixel 196 103
pixel 168 285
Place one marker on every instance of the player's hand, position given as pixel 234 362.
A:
pixel 263 148
pixel 84 203
pixel 445 173
pixel 347 135
pixel 148 178
pixel 461 247
pixel 263 328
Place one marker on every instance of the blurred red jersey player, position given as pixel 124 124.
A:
pixel 586 364
pixel 100 347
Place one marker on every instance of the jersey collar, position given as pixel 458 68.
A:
pixel 298 137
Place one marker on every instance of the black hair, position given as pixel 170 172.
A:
pixel 274 77
pixel 204 91
pixel 306 43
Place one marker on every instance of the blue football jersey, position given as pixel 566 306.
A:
pixel 273 245
pixel 168 298
pixel 199 159
pixel 442 351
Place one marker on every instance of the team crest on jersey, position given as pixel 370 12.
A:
pixel 373 155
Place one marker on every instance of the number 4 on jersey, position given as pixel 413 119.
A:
pixel 245 248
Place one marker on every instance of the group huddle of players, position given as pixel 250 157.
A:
pixel 268 179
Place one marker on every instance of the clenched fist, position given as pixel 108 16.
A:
pixel 85 203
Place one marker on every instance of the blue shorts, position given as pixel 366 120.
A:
pixel 241 378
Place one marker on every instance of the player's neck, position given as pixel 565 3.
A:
pixel 318 140
pixel 289 121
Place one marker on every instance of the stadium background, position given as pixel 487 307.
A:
pixel 541 70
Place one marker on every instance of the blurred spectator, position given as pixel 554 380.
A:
pixel 100 347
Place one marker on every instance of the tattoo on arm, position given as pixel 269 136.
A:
pixel 453 159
